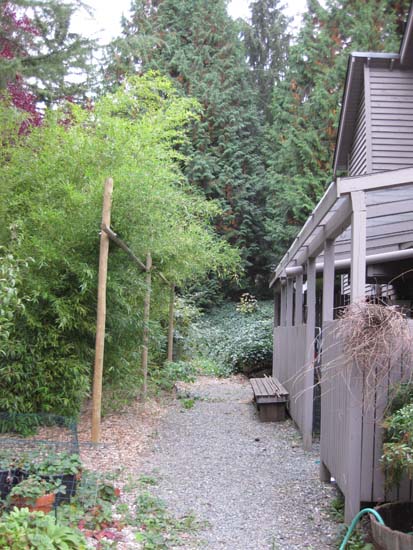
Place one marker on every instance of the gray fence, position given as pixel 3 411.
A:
pixel 351 434
pixel 289 368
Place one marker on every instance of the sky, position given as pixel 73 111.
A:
pixel 105 24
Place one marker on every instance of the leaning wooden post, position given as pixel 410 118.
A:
pixel 171 324
pixel 101 314
pixel 146 312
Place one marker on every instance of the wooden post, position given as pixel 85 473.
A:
pixel 283 306
pixel 358 246
pixel 171 324
pixel 309 366
pixel 298 308
pixel 328 281
pixel 146 312
pixel 355 380
pixel 328 316
pixel 289 304
pixel 101 314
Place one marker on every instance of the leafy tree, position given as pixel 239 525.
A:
pixel 306 103
pixel 198 45
pixel 51 187
pixel 39 54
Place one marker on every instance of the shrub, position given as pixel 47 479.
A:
pixel 397 457
pixel 21 529
pixel 236 341
pixel 51 184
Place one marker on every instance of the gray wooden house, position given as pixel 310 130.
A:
pixel 358 239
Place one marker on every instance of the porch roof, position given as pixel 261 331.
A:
pixel 389 208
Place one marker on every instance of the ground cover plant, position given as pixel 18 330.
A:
pixel 236 337
pixel 51 192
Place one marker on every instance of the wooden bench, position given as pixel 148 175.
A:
pixel 270 397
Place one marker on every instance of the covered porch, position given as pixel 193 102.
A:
pixel 358 242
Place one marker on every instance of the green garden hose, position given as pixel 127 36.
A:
pixel 355 521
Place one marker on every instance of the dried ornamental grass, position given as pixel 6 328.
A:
pixel 375 337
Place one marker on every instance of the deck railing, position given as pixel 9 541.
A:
pixel 351 434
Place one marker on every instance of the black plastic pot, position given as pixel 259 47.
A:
pixel 8 479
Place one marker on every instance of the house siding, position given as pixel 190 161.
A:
pixel 391 113
pixel 358 154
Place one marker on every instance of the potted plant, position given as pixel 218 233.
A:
pixel 64 468
pixel 397 460
pixel 35 493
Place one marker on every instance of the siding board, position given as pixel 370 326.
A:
pixel 391 101
pixel 358 153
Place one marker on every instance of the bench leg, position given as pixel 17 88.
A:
pixel 271 412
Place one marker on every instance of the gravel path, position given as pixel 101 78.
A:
pixel 250 481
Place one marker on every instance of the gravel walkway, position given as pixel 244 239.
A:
pixel 250 481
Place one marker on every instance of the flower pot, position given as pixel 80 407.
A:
pixel 69 481
pixel 42 504
pixel 398 519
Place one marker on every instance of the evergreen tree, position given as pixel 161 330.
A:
pixel 39 54
pixel 197 44
pixel 267 43
pixel 306 103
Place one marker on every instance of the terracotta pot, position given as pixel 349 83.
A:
pixel 398 519
pixel 42 504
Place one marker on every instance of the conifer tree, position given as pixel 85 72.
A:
pixel 197 44
pixel 39 54
pixel 306 103
pixel 267 43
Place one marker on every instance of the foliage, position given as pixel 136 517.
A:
pixel 247 303
pixel 51 189
pixel 40 53
pixel 21 529
pixel 306 103
pixel 10 301
pixel 158 530
pixel 233 340
pixel 266 40
pixel 33 487
pixel 397 458
pixel 199 46
pixel 62 464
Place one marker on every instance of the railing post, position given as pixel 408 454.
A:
pixel 355 379
pixel 309 364
pixel 328 315
pixel 283 307
pixel 298 309
pixel 289 305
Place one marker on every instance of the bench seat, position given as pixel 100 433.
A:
pixel 270 397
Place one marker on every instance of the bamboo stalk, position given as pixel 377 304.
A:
pixel 146 314
pixel 171 324
pixel 101 314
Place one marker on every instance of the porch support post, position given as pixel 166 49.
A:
pixel 309 364
pixel 298 312
pixel 358 246
pixel 328 281
pixel 328 315
pixel 276 308
pixel 283 305
pixel 355 377
pixel 289 305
